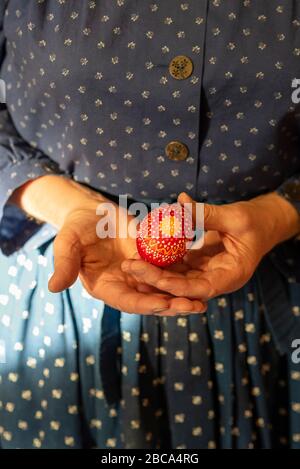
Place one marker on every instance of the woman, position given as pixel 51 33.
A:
pixel 150 100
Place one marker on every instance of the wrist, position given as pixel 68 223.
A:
pixel 279 216
pixel 53 198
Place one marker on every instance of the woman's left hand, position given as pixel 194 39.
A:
pixel 237 236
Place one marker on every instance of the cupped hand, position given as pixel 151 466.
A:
pixel 237 237
pixel 78 251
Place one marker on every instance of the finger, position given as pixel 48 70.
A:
pixel 150 304
pixel 124 298
pixel 184 306
pixel 176 305
pixel 187 287
pixel 67 260
pixel 200 306
pixel 147 273
pixel 223 281
pixel 205 286
pixel 143 288
pixel 216 217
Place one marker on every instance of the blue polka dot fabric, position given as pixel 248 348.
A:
pixel 148 99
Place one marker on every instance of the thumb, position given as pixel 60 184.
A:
pixel 67 260
pixel 214 215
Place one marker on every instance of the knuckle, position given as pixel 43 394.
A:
pixel 175 290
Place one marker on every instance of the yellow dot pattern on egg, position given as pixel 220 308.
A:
pixel 170 226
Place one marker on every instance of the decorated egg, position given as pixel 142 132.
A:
pixel 164 234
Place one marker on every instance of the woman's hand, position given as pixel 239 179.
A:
pixel 238 236
pixel 79 251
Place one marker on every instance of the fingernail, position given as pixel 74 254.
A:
pixel 137 269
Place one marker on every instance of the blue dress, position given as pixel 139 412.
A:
pixel 99 91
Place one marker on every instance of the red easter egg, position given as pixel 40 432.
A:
pixel 163 235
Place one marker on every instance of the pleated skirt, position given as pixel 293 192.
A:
pixel 76 374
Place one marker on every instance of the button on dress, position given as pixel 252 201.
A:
pixel 148 99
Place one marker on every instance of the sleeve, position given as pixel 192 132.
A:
pixel 19 163
pixel 286 256
pixel 290 190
